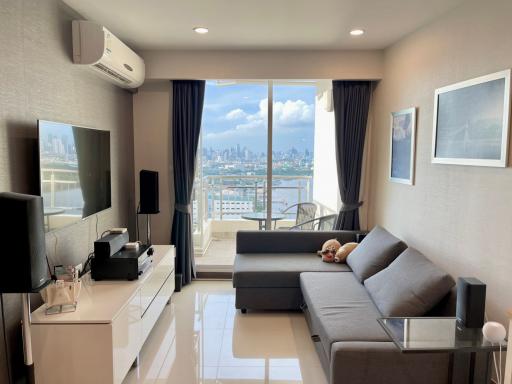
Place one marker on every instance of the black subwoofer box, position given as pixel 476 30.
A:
pixel 470 302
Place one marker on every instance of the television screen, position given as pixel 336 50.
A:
pixel 74 172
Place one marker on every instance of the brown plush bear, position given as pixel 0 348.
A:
pixel 329 250
pixel 343 252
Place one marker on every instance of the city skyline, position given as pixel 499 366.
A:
pixel 238 160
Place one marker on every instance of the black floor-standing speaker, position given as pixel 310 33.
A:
pixel 148 187
pixel 24 263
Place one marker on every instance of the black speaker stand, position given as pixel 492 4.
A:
pixel 148 229
pixel 27 338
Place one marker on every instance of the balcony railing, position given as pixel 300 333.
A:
pixel 61 188
pixel 228 197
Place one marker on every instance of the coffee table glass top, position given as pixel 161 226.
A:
pixel 431 334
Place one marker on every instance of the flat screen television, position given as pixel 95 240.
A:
pixel 74 172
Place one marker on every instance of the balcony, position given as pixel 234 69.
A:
pixel 219 203
pixel 62 197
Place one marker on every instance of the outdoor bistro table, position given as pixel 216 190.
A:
pixel 261 218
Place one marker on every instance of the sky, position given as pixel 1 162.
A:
pixel 237 114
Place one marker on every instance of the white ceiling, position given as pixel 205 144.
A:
pixel 261 24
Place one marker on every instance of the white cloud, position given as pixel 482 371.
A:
pixel 236 114
pixel 293 112
pixel 401 127
pixel 251 128
pixel 288 116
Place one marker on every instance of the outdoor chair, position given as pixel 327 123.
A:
pixel 305 213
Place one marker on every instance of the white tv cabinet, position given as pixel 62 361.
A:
pixel 99 342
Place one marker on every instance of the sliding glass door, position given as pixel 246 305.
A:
pixel 293 132
pixel 231 181
pixel 255 161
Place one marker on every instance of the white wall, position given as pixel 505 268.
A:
pixel 325 174
pixel 263 64
pixel 459 216
pixel 153 151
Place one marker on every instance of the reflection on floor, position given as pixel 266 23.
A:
pixel 220 254
pixel 201 338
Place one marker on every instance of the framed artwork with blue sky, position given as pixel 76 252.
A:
pixel 402 143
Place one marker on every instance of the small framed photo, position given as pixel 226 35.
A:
pixel 402 152
pixel 471 122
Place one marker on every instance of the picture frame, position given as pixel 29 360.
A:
pixel 471 121
pixel 403 146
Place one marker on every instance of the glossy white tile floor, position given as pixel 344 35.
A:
pixel 220 253
pixel 201 338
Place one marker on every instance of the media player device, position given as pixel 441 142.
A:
pixel 470 302
pixel 110 244
pixel 127 264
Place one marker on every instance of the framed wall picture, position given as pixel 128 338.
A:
pixel 471 122
pixel 403 137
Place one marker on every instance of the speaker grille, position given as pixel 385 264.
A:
pixel 24 262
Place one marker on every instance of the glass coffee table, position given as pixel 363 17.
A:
pixel 470 353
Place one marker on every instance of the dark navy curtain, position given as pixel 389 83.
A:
pixel 351 101
pixel 187 110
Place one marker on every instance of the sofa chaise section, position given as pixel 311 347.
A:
pixel 268 265
pixel 352 346
pixel 363 362
pixel 340 309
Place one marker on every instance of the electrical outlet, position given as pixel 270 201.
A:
pixel 79 268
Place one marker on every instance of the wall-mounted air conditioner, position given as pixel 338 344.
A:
pixel 96 47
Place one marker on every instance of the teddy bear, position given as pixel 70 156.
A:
pixel 343 252
pixel 329 250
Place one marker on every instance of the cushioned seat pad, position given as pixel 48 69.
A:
pixel 278 270
pixel 340 308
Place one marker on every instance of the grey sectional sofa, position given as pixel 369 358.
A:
pixel 279 270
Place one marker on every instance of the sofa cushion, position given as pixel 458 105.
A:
pixel 340 309
pixel 377 250
pixel 411 286
pixel 278 269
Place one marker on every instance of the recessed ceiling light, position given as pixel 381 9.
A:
pixel 201 30
pixel 357 32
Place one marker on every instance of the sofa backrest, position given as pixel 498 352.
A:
pixel 287 241
pixel 446 307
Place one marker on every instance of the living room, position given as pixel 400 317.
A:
pixel 264 131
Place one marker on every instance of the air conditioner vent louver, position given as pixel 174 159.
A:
pixel 97 48
pixel 111 73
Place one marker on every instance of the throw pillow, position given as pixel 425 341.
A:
pixel 377 250
pixel 343 252
pixel 411 286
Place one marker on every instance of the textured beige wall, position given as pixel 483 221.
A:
pixel 459 216
pixel 153 151
pixel 39 81
pixel 263 64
